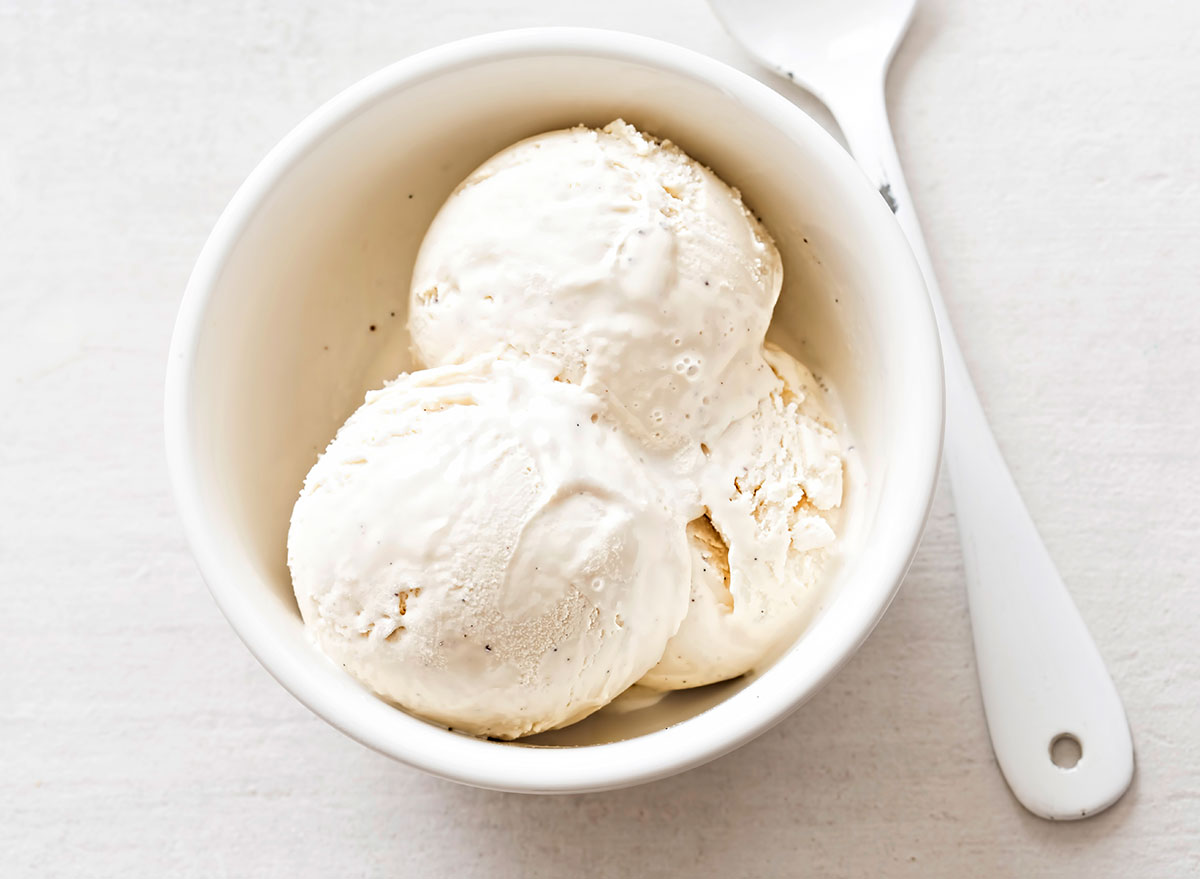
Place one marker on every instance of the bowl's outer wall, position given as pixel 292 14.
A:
pixel 298 307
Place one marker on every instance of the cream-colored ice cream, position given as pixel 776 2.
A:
pixel 481 545
pixel 603 478
pixel 620 255
pixel 772 485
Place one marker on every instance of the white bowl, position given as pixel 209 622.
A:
pixel 274 348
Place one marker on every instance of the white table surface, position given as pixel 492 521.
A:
pixel 1052 150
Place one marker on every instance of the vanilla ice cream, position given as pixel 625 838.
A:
pixel 771 486
pixel 603 477
pixel 618 254
pixel 482 545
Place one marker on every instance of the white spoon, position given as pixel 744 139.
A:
pixel 1046 692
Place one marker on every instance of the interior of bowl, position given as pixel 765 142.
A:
pixel 306 310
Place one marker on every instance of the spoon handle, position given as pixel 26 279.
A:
pixel 1043 681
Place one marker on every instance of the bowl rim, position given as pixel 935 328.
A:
pixel 703 737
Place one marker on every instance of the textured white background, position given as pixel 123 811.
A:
pixel 1052 151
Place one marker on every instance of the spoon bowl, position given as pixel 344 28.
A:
pixel 819 44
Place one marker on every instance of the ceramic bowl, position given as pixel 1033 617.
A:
pixel 297 306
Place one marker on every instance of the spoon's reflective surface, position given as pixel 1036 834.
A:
pixel 1057 724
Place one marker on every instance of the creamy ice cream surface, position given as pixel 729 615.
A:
pixel 481 545
pixel 632 263
pixel 603 477
pixel 772 486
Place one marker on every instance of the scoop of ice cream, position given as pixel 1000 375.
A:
pixel 481 546
pixel 771 486
pixel 620 255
